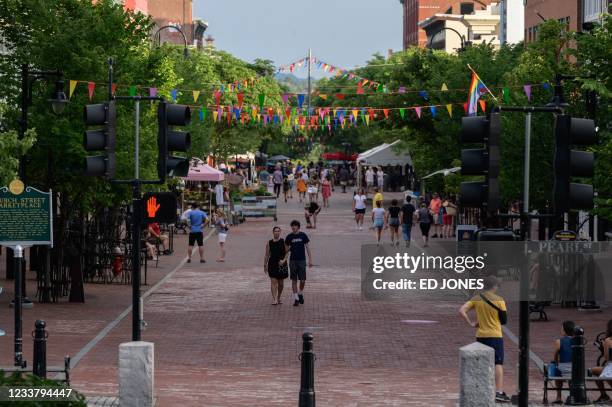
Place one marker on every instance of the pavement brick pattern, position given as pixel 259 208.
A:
pixel 219 342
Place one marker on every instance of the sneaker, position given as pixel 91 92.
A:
pixel 301 298
pixel 188 260
pixel 602 400
pixel 202 261
pixel 296 303
pixel 502 397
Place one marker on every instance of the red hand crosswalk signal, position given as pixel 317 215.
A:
pixel 159 207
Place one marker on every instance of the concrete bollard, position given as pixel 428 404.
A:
pixel 477 376
pixel 136 373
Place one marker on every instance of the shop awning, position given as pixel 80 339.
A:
pixel 204 172
pixel 385 154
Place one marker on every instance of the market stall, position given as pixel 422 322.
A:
pixel 387 155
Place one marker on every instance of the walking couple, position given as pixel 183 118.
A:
pixel 287 258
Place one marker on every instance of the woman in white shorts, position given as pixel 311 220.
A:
pixel 222 228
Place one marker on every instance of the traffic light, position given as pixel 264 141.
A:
pixel 169 140
pixel 101 139
pixel 481 161
pixel 572 163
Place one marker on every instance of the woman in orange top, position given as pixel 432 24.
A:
pixel 301 186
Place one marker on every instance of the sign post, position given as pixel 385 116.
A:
pixel 26 220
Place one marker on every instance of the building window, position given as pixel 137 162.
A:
pixel 466 8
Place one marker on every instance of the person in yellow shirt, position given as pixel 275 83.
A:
pixel 378 196
pixel 491 314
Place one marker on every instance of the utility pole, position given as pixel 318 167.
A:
pixel 309 80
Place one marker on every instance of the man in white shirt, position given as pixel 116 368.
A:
pixel 369 176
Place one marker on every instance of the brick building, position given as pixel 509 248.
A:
pixel 573 13
pixel 177 13
pixel 416 11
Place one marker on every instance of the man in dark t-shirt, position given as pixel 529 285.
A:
pixel 407 219
pixel 310 212
pixel 296 243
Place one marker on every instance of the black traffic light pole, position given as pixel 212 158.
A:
pixel 136 184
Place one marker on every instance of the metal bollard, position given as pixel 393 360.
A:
pixel 307 393
pixel 578 395
pixel 39 364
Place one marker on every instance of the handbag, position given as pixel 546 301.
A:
pixel 283 270
pixel 502 315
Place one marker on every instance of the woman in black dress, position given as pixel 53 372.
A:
pixel 275 266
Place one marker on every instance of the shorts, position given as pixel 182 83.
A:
pixel 196 237
pixel 425 228
pixel 565 369
pixel 222 237
pixel 297 270
pixel 447 219
pixel 498 345
pixel 379 223
pixel 360 211
pixel 394 222
pixel 436 218
pixel 343 183
pixel 369 183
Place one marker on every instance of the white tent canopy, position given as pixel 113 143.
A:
pixel 384 155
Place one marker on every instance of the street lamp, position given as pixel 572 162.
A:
pixel 464 43
pixel 157 37
pixel 59 99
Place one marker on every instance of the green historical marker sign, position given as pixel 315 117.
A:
pixel 26 217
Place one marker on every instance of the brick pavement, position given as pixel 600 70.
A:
pixel 219 342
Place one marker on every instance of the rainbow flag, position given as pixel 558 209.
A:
pixel 477 88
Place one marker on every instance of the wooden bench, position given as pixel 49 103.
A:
pixel 590 382
pixel 62 373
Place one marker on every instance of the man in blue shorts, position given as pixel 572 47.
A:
pixel 197 220
pixel 296 244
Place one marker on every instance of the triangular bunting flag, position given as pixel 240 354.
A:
pixel 339 96
pixel 367 120
pixel 444 87
pixel 203 112
pixel 215 115
pixel 285 98
pixel 72 87
pixel 449 108
pixel 262 99
pixel 424 94
pixel 173 94
pixel 196 94
pixel 506 95
pixel 527 89
pixel 132 90
pixel 152 92
pixel 323 96
pixel 240 99
pixel 402 112
pixel 90 88
pixel 483 105
pixel 432 109
pixel 465 107
pixel 114 88
pixel 386 112
pixel 300 99
pixel 418 111
pixel 360 88
pixel 355 113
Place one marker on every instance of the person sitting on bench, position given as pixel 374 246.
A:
pixel 605 371
pixel 156 234
pixel 310 212
pixel 563 357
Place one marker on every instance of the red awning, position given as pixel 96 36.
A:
pixel 339 156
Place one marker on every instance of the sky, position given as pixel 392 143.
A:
pixel 343 33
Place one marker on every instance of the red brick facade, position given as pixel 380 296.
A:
pixel 418 10
pixel 173 12
pixel 565 11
